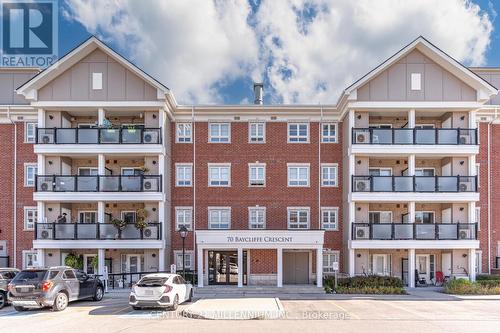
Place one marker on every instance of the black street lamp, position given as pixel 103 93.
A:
pixel 183 232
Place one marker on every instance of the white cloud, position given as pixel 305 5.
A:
pixel 307 51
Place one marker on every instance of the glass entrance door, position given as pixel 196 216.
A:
pixel 223 267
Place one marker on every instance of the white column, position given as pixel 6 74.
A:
pixel 161 260
pixel 279 277
pixel 161 217
pixel 471 207
pixel 411 118
pixel 161 121
pixel 411 268
pixel 101 261
pixel 41 164
pixel 240 267
pixel 351 265
pixel 40 257
pixel 411 212
pixel 472 165
pixel 101 164
pixel 351 125
pixel 41 118
pixel 40 207
pixel 101 212
pixel 472 119
pixel 319 267
pixel 472 264
pixel 101 115
pixel 411 165
pixel 199 261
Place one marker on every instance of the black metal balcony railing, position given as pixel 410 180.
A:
pixel 95 231
pixel 414 183
pixel 98 135
pixel 107 183
pixel 414 231
pixel 415 136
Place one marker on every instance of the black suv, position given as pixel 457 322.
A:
pixel 6 275
pixel 54 287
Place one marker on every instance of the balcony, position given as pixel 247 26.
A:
pixel 91 136
pixel 107 183
pixel 414 136
pixel 440 184
pixel 414 231
pixel 95 231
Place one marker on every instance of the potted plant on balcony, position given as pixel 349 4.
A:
pixel 140 219
pixel 143 169
pixel 118 223
pixel 74 260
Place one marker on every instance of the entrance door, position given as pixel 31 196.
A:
pixel 380 264
pixel 404 270
pixel 223 267
pixel 423 267
pixel 446 264
pixel 296 267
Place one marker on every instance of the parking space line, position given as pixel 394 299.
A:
pixel 120 310
pixel 345 310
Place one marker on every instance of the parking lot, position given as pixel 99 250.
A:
pixel 353 313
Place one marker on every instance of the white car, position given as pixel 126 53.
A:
pixel 160 290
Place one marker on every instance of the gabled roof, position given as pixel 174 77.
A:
pixel 438 56
pixel 77 54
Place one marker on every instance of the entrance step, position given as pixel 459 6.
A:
pixel 257 290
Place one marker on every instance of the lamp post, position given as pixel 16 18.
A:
pixel 183 232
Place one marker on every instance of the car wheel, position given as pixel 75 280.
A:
pixel 61 302
pixel 3 299
pixel 98 294
pixel 190 298
pixel 19 308
pixel 175 304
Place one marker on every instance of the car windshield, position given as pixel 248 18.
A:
pixel 7 275
pixel 30 276
pixel 152 282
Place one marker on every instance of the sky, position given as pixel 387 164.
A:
pixel 305 51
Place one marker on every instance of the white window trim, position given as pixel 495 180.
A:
pixel 381 211
pixel 123 212
pixel 289 209
pixel 220 123
pixel 215 165
pixel 477 217
pixel 177 180
pixel 250 123
pixel 26 124
pixel 191 258
pixel 179 208
pixel 26 209
pixel 331 252
pixel 177 133
pixel 334 209
pixel 25 253
pixel 249 221
pixel 335 138
pixel 128 168
pixel 256 164
pixel 426 211
pixel 480 266
pixel 298 123
pixel 380 169
pixel 88 211
pixel 97 80
pixel 26 165
pixel 329 165
pixel 298 165
pixel 416 81
pixel 219 208
pixel 478 174
pixel 89 168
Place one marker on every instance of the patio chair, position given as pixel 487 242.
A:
pixel 439 279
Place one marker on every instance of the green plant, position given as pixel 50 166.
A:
pixel 74 260
pixel 466 287
pixel 372 284
pixel 144 169
pixel 118 223
pixel 94 263
pixel 140 218
pixel 487 277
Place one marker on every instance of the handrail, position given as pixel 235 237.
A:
pixel 414 183
pixel 413 231
pixel 98 135
pixel 98 183
pixel 415 136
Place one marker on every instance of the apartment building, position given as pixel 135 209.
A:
pixel 397 178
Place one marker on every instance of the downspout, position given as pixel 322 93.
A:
pixel 14 194
pixel 320 129
pixel 489 191
pixel 193 134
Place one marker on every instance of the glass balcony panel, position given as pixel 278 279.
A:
pixel 86 231
pixel 425 136
pixel 109 184
pixel 66 135
pixel 110 135
pixel 403 231
pixel 425 231
pixel 467 137
pixel 64 184
pixel 382 183
pixel 403 184
pixel 131 183
pixel 467 184
pixel 131 232
pixel 382 231
pixel 447 231
pixel 447 136
pixel 425 184
pixel 466 231
pixel 382 135
pixel 64 231
pixel 88 135
pixel 131 135
pixel 403 136
pixel 87 183
pixel 447 184
pixel 108 231
pixel 44 183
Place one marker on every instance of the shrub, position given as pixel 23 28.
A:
pixel 487 277
pixel 466 287
pixel 74 261
pixel 372 284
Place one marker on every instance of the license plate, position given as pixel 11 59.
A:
pixel 23 289
pixel 25 303
pixel 148 292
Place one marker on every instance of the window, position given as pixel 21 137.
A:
pixel 183 217
pixel 479 262
pixel 329 218
pixel 257 174
pixel 29 259
pixel 329 260
pixel 298 218
pixel 256 218
pixel 257 132
pixel 129 216
pixel 87 216
pixel 424 217
pixel 380 217
pixel 96 81
pixel 219 218
pixel 478 173
pixel 298 175
pixel 69 274
pixel 30 217
pixel 478 218
pixel 30 171
pixel 329 174
pixel 88 171
pixel 426 172
pixel 29 132
pixel 184 133
pixel 329 133
pixel 219 175
pixel 188 260
pixel 184 174
pixel 298 132
pixel 219 132
pixel 416 81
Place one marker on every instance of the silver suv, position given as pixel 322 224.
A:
pixel 54 287
pixel 6 275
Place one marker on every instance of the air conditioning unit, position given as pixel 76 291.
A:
pixel 361 185
pixel 45 234
pixel 150 136
pixel 464 234
pixel 46 138
pixel 150 233
pixel 45 186
pixel 150 185
pixel 464 139
pixel 465 186
pixel 362 137
pixel 362 232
